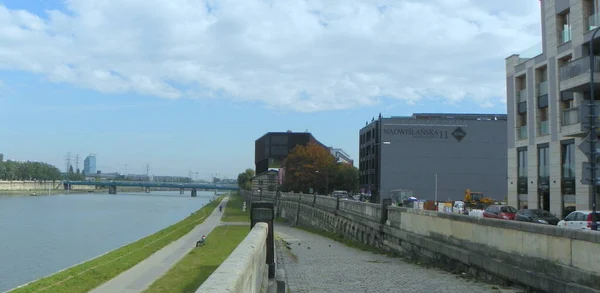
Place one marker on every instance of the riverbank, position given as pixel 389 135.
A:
pixel 88 275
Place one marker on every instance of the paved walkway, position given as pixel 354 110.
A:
pixel 319 264
pixel 142 275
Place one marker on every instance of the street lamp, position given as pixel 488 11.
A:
pixel 592 117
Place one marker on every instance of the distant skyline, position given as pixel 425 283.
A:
pixel 190 85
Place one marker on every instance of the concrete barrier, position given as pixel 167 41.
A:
pixel 540 257
pixel 245 270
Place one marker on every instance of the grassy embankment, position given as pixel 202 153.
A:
pixel 191 271
pixel 91 274
pixel 233 212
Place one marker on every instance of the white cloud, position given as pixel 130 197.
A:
pixel 306 55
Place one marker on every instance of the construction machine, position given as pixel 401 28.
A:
pixel 476 200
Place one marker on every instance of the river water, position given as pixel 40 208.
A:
pixel 40 235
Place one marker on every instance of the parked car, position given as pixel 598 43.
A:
pixel 579 220
pixel 536 216
pixel 503 212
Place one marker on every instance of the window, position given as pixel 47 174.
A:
pixel 564 27
pixel 522 163
pixel 543 162
pixel 543 125
pixel 592 7
pixel 568 160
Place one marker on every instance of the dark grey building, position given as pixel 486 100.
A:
pixel 272 148
pixel 464 150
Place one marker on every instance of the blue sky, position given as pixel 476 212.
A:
pixel 185 92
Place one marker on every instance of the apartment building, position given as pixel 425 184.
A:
pixel 341 156
pixel 546 95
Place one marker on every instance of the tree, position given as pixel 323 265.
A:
pixel 346 177
pixel 310 166
pixel 244 179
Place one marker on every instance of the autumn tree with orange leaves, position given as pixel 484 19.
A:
pixel 308 167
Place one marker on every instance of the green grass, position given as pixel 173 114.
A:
pixel 191 271
pixel 93 273
pixel 233 212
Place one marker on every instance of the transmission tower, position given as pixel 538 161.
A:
pixel 76 162
pixel 67 162
pixel 148 170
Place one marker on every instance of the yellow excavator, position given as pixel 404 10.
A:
pixel 476 200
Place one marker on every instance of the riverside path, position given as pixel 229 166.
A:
pixel 318 264
pixel 141 276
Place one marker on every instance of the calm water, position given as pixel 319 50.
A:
pixel 40 235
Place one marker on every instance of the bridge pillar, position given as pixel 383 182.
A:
pixel 264 211
pixel 181 190
pixel 194 192
pixel 147 189
pixel 112 189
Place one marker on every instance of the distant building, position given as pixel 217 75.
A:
pixel 341 156
pixel 271 149
pixel 266 181
pixel 89 164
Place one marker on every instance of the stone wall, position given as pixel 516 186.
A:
pixel 540 257
pixel 39 185
pixel 245 270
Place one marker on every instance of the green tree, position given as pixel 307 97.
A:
pixel 244 179
pixel 346 177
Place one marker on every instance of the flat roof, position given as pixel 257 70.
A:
pixel 460 116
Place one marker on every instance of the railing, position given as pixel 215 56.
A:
pixel 542 88
pixel 578 67
pixel 565 34
pixel 570 116
pixel 523 132
pixel 544 128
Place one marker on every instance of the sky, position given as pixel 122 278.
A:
pixel 189 85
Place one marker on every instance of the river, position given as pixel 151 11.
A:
pixel 40 235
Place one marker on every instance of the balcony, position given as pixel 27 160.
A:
pixel 522 134
pixel 522 96
pixel 544 130
pixel 542 88
pixel 575 75
pixel 570 116
pixel 565 34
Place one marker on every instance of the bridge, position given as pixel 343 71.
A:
pixel 112 185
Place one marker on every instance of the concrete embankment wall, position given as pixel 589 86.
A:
pixel 245 270
pixel 38 185
pixel 541 257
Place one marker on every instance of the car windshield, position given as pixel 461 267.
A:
pixel 541 213
pixel 597 217
pixel 508 209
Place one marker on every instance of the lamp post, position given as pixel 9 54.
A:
pixel 326 181
pixel 592 117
